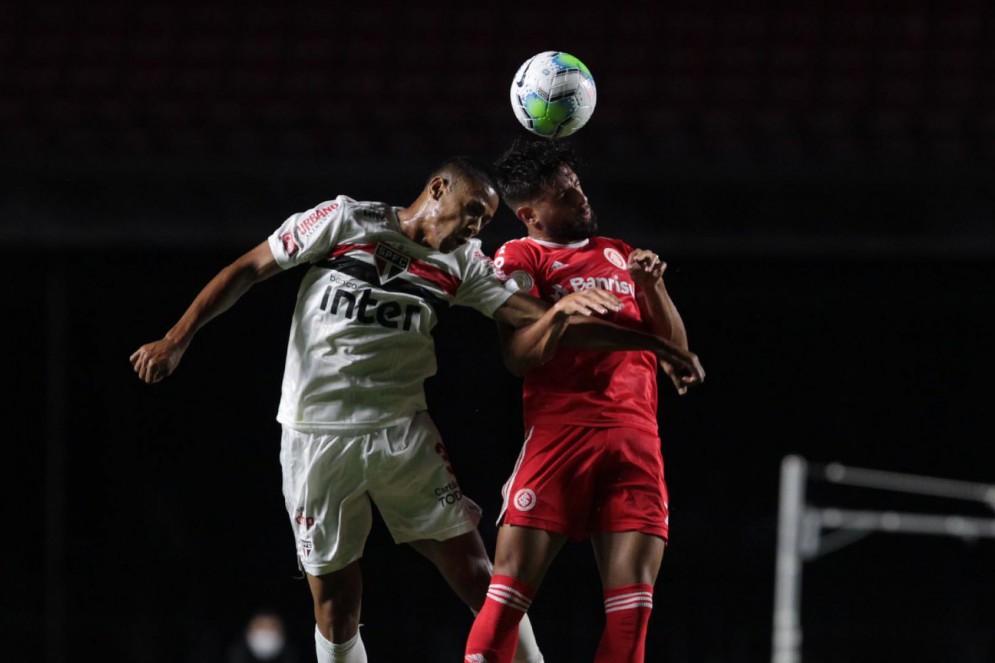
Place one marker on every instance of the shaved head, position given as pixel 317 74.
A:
pixel 465 171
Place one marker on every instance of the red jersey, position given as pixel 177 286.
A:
pixel 584 388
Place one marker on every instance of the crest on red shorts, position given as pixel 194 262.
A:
pixel 525 500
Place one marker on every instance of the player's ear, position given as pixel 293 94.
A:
pixel 437 186
pixel 526 215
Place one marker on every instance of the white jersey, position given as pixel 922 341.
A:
pixel 360 343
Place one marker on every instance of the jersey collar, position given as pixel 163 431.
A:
pixel 554 245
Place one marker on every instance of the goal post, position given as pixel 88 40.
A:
pixel 800 527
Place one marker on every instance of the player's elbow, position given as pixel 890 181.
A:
pixel 517 371
pixel 521 363
pixel 515 366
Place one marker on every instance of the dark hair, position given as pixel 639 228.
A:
pixel 466 169
pixel 529 166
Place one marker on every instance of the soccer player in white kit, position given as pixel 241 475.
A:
pixel 353 410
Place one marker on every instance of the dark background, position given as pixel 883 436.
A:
pixel 818 176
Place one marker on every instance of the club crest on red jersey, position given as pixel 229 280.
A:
pixel 615 258
pixel 390 262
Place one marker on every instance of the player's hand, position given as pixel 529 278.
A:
pixel 645 267
pixel 155 361
pixel 589 301
pixel 684 374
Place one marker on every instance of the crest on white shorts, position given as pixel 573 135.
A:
pixel 525 500
pixel 615 258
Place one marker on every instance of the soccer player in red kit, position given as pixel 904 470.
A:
pixel 591 465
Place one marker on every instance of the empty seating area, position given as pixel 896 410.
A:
pixel 838 83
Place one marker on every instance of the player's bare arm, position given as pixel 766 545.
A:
pixel 531 329
pixel 158 359
pixel 647 269
pixel 571 321
pixel 658 309
pixel 601 335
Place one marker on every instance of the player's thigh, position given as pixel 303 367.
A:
pixel 325 492
pixel 526 553
pixel 414 486
pixel 341 591
pixel 627 558
pixel 464 549
pixel 463 562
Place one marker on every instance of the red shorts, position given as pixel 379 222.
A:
pixel 576 480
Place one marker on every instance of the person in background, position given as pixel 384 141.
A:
pixel 263 641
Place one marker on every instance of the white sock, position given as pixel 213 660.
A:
pixel 528 649
pixel 351 651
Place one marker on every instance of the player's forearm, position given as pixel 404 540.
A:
pixel 540 327
pixel 535 344
pixel 220 294
pixel 602 336
pixel 662 315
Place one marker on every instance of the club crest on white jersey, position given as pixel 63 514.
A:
pixel 389 261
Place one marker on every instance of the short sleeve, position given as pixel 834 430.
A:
pixel 309 235
pixel 516 267
pixel 480 287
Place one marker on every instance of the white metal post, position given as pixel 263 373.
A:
pixel 787 636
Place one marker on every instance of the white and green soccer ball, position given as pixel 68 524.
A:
pixel 553 94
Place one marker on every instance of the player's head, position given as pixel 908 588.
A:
pixel 538 182
pixel 461 197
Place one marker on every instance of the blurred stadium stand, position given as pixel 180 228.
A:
pixel 784 127
pixel 795 161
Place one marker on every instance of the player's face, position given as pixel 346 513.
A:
pixel 461 214
pixel 563 212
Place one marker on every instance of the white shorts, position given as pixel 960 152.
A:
pixel 329 480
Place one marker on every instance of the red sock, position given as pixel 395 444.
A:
pixel 627 614
pixel 494 636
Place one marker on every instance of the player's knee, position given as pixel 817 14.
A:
pixel 509 562
pixel 337 623
pixel 469 577
pixel 466 564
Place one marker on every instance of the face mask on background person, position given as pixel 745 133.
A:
pixel 264 637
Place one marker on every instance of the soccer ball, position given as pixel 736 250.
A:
pixel 553 94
